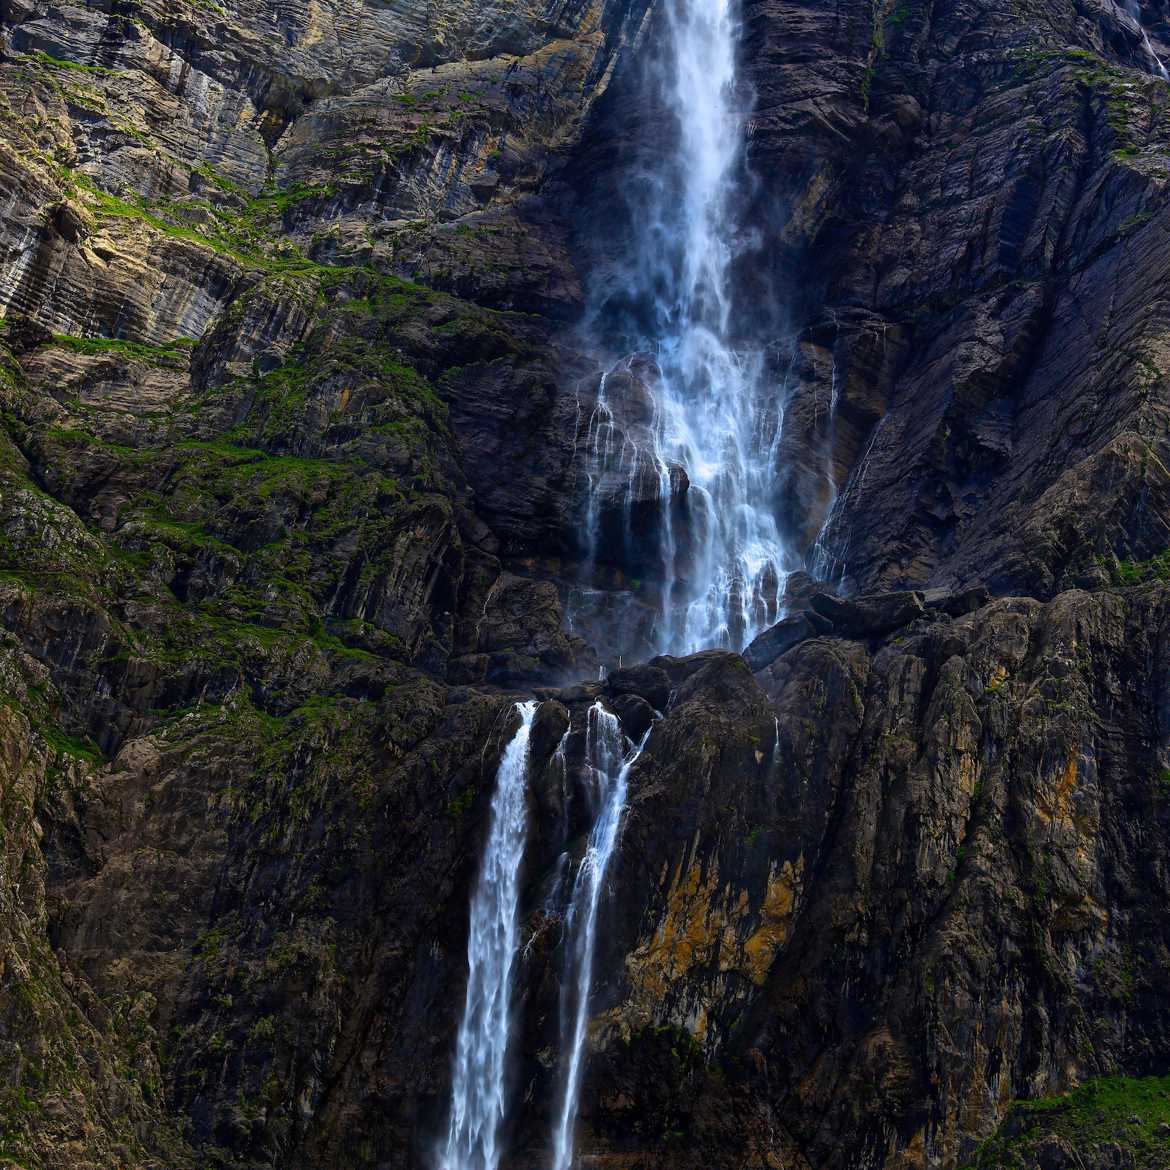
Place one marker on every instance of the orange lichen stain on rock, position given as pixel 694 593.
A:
pixel 1056 807
pixel 775 917
pixel 343 401
pixel 314 32
pixel 968 767
pixel 687 933
pixel 973 1108
pixel 1068 781
pixel 707 925
pixel 912 1156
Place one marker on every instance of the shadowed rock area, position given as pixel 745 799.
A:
pixel 305 313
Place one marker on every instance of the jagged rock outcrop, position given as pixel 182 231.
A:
pixel 1004 190
pixel 953 835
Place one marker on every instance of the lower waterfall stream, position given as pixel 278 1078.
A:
pixel 478 1096
pixel 608 760
pixel 478 1087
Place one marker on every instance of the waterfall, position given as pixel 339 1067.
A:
pixel 477 1093
pixel 715 414
pixel 1134 9
pixel 608 761
pixel 681 444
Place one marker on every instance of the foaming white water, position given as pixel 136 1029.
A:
pixel 478 1087
pixel 714 415
pixel 608 761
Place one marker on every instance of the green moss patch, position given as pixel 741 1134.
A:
pixel 1132 1113
pixel 1157 568
pixel 172 354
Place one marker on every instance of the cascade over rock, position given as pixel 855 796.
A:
pixel 682 434
pixel 479 1090
pixel 608 760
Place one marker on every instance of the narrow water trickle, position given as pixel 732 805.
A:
pixel 1134 8
pixel 608 760
pixel 715 412
pixel 478 1088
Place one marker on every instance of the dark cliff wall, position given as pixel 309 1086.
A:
pixel 291 372
pixel 984 266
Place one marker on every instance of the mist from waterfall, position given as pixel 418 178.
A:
pixel 608 760
pixel 478 1087
pixel 715 415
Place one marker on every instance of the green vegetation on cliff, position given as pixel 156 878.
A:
pixel 1123 1121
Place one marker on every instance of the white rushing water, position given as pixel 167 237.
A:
pixel 478 1087
pixel 690 401
pixel 608 760
pixel 715 414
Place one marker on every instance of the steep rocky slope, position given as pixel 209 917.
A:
pixel 297 305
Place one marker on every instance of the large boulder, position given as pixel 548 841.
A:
pixel 869 617
pixel 785 634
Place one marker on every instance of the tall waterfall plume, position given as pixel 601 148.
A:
pixel 608 760
pixel 478 1088
pixel 707 451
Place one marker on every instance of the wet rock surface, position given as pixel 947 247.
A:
pixel 869 616
pixel 294 415
pixel 828 864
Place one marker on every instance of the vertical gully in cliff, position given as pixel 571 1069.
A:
pixel 609 756
pixel 715 416
pixel 478 1089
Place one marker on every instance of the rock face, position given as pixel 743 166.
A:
pixel 984 433
pixel 895 844
pixel 295 402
